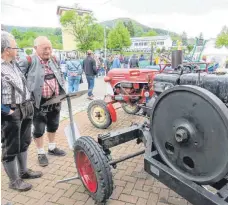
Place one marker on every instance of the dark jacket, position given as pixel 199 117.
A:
pixel 134 63
pixel 89 66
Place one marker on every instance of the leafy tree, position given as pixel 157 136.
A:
pixel 150 33
pixel 28 51
pixel 130 28
pixel 26 38
pixel 17 34
pixel 189 48
pixel 87 33
pixel 176 38
pixel 119 37
pixel 158 50
pixel 138 30
pixel 222 38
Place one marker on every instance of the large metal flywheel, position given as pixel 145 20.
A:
pixel 189 127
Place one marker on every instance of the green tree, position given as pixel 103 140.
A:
pixel 119 37
pixel 17 34
pixel 222 38
pixel 138 30
pixel 189 48
pixel 130 28
pixel 87 33
pixel 28 51
pixel 150 33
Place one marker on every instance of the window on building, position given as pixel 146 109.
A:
pixel 136 44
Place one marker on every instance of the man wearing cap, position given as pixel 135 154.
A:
pixel 16 117
pixel 89 67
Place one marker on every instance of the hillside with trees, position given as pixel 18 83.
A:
pixel 25 35
pixel 142 29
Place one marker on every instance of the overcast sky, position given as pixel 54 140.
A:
pixel 192 16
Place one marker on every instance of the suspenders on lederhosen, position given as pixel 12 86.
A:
pixel 14 88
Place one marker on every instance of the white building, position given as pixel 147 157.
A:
pixel 144 43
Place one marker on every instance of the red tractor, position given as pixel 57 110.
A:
pixel 130 87
pixel 133 88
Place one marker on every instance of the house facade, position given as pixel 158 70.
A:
pixel 69 42
pixel 144 43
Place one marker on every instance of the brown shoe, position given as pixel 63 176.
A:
pixel 20 185
pixel 31 174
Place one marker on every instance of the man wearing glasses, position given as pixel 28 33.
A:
pixel 45 81
pixel 17 115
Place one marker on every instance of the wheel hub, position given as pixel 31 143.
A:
pixel 86 171
pixel 98 115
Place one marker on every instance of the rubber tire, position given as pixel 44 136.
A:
pixel 100 164
pixel 102 104
pixel 137 108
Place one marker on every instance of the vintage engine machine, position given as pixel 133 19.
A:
pixel 186 141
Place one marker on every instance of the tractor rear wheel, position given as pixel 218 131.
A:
pixel 99 115
pixel 93 169
pixel 130 108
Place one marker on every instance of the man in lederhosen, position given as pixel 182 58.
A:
pixel 16 114
pixel 45 81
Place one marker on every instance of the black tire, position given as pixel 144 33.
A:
pixel 132 111
pixel 100 166
pixel 107 121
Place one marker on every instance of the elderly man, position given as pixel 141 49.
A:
pixel 45 81
pixel 16 114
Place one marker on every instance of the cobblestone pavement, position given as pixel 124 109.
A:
pixel 132 184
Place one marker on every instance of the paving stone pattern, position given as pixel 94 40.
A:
pixel 132 184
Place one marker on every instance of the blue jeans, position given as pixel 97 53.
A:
pixel 73 83
pixel 90 80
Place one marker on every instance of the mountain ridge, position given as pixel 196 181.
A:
pixel 111 24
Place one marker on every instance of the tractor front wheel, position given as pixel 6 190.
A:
pixel 93 169
pixel 99 114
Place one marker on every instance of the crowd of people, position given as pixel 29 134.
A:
pixel 73 68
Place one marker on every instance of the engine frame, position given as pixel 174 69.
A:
pixel 156 167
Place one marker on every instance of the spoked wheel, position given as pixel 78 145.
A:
pixel 99 115
pixel 130 108
pixel 189 127
pixel 93 169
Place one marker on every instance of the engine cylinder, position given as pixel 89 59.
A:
pixel 177 58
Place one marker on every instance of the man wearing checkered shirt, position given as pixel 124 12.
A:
pixel 16 114
pixel 45 81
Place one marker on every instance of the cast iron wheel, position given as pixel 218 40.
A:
pixel 189 127
pixel 99 115
pixel 93 169
pixel 130 108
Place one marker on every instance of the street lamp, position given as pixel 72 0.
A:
pixel 151 53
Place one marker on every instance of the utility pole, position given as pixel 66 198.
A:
pixel 151 53
pixel 105 42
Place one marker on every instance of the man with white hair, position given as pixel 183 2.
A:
pixel 17 115
pixel 45 81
